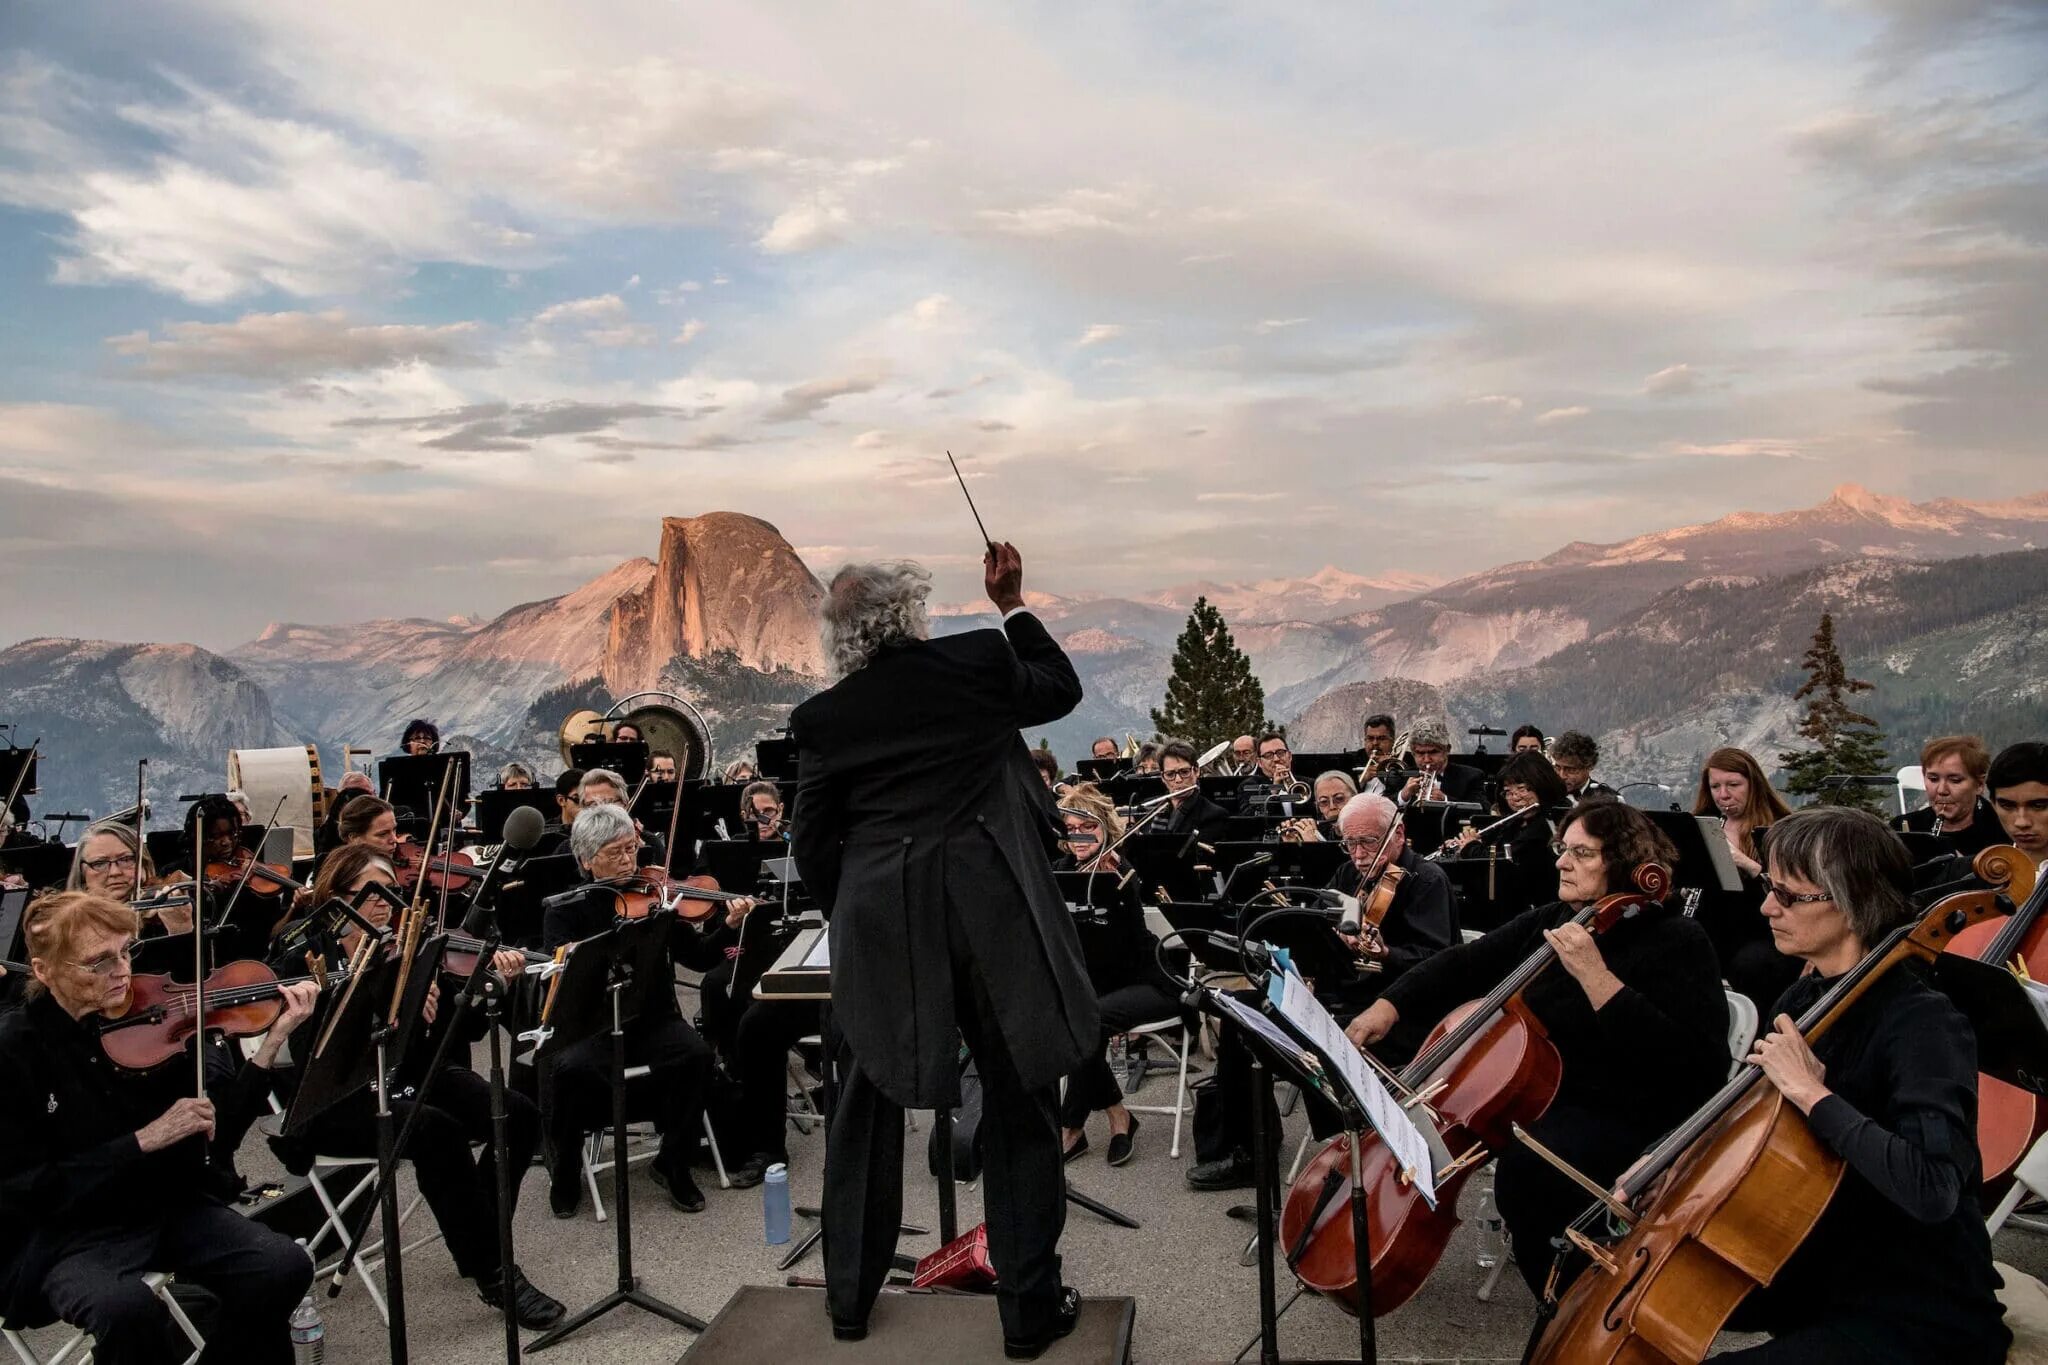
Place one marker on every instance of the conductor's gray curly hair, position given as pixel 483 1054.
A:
pixel 870 606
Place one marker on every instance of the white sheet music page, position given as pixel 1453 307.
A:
pixel 1395 1127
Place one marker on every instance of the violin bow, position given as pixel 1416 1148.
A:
pixel 419 885
pixel 250 869
pixel 21 779
pixel 198 963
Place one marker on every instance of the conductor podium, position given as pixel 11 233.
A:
pixel 764 1325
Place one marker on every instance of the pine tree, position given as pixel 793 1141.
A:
pixel 1213 694
pixel 1846 743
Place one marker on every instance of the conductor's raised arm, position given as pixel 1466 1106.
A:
pixel 1043 685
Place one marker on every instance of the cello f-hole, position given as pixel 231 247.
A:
pixel 1612 1317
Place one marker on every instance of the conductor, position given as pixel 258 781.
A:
pixel 921 828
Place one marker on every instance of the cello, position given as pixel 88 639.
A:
pixel 1487 1067
pixel 1717 1208
pixel 2009 1119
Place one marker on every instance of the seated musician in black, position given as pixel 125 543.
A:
pixel 1123 966
pixel 1637 1015
pixel 1192 812
pixel 1899 1266
pixel 1421 922
pixel 1735 787
pixel 102 1171
pixel 2019 794
pixel 603 787
pixel 214 824
pixel 459 1186
pixel 1530 786
pixel 1575 754
pixel 112 862
pixel 1436 777
pixel 576 1091
pixel 761 813
pixel 421 737
pixel 1955 768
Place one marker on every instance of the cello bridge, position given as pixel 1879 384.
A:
pixel 1593 1251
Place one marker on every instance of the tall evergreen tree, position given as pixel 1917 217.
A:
pixel 1846 743
pixel 1213 694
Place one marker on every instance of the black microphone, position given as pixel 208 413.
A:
pixel 523 828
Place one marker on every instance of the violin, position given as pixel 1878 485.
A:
pixel 1717 1209
pixel 1486 1068
pixel 2009 1119
pixel 449 872
pixel 459 958
pixel 243 999
pixel 274 879
pixel 651 889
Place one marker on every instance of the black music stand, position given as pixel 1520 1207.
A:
pixel 13 908
pixel 775 759
pixel 2011 1021
pixel 736 863
pixel 520 895
pixel 1430 823
pixel 43 866
pixel 1310 766
pixel 1160 862
pixel 628 760
pixel 1696 866
pixel 410 782
pixel 1923 846
pixel 606 983
pixel 495 805
pixel 1101 770
pixel 12 761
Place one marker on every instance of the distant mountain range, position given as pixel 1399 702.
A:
pixel 1664 645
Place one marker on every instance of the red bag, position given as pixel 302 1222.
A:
pixel 962 1263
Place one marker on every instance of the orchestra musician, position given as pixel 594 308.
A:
pixel 603 787
pixel 1637 1016
pixel 461 1188
pixel 1244 754
pixel 761 812
pixel 1898 1268
pixel 1379 733
pixel 112 863
pixel 1420 922
pixel 1048 766
pixel 214 825
pixel 2019 793
pixel 577 1089
pixel 1734 786
pixel 515 777
pixel 1955 768
pixel 626 732
pixel 1436 777
pixel 1266 790
pixel 370 822
pixel 740 770
pixel 101 1170
pixel 1147 761
pixel 1527 784
pixel 1130 986
pixel 1103 750
pixel 1192 811
pixel 1526 739
pixel 1575 754
pixel 661 768
pixel 1331 792
pixel 422 736
pixel 925 844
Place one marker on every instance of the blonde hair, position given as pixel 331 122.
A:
pixel 57 920
pixel 145 869
pixel 1088 799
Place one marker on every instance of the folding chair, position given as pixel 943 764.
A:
pixel 77 1349
pixel 595 1162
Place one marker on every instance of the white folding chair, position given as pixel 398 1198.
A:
pixel 369 1258
pixel 1912 782
pixel 1742 1028
pixel 639 1138
pixel 78 1346
pixel 1162 1028
pixel 805 1112
pixel 2030 1179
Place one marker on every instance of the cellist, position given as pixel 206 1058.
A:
pixel 1899 1266
pixel 1637 1016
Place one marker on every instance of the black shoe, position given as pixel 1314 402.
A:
pixel 849 1331
pixel 1121 1144
pixel 752 1173
pixel 529 1305
pixel 1080 1146
pixel 682 1191
pixel 1063 1319
pixel 565 1190
pixel 1233 1172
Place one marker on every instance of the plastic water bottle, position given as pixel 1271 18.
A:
pixel 309 1334
pixel 1491 1229
pixel 775 1204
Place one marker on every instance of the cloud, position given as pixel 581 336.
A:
pixel 955 390
pixel 871 440
pixel 992 424
pixel 1100 332
pixel 809 398
pixel 1497 402
pixel 806 227
pixel 600 308
pixel 1671 381
pixel 510 426
pixel 1555 415
pixel 291 345
pixel 632 334
pixel 1274 496
pixel 1745 449
pixel 689 332
pixel 1272 325
pixel 931 310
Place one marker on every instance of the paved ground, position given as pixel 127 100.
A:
pixel 1195 1302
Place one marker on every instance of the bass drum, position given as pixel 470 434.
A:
pixel 291 773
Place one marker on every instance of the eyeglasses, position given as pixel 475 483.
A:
pixel 109 864
pixel 1788 899
pixel 1177 775
pixel 1578 853
pixel 109 963
pixel 1355 844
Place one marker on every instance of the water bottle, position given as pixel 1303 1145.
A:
pixel 309 1334
pixel 775 1204
pixel 1491 1230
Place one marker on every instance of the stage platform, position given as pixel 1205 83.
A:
pixel 766 1325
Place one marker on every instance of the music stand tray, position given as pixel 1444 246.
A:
pixel 339 1059
pixel 495 805
pixel 43 866
pixel 628 760
pixel 410 782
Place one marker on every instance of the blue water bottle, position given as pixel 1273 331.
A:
pixel 775 1204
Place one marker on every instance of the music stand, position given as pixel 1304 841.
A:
pixel 736 863
pixel 44 867
pixel 606 983
pixel 1430 823
pixel 13 908
pixel 1922 846
pixel 1100 770
pixel 2011 1025
pixel 775 759
pixel 411 782
pixel 495 805
pixel 1306 863
pixel 1700 863
pixel 1160 863
pixel 1310 766
pixel 628 760
pixel 12 761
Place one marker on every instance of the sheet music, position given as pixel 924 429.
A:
pixel 1714 834
pixel 1245 1017
pixel 1410 1149
pixel 819 958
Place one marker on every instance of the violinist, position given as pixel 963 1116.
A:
pixel 577 1093
pixel 421 737
pixel 101 1170
pixel 1733 785
pixel 213 827
pixel 111 863
pixel 1526 739
pixel 1637 1016
pixel 1528 786
pixel 2019 793
pixel 1193 812
pixel 1955 768
pixel 515 777
pixel 603 787
pixel 1130 987
pixel 371 823
pixel 1419 922
pixel 1899 1266
pixel 1436 777
pixel 460 1187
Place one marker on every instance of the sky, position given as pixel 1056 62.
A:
pixel 328 312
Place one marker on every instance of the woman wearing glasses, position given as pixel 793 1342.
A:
pixel 1637 1016
pixel 1531 787
pixel 112 864
pixel 1899 1266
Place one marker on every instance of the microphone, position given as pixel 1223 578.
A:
pixel 1353 912
pixel 523 829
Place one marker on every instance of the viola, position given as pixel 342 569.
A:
pixel 651 889
pixel 2009 1119
pixel 1717 1209
pixel 459 958
pixel 1486 1068
pixel 243 999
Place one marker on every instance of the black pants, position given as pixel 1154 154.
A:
pixel 720 1007
pixel 1023 1189
pixel 766 1031
pixel 1094 1086
pixel 461 1189
pixel 258 1276
pixel 1537 1201
pixel 579 1093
